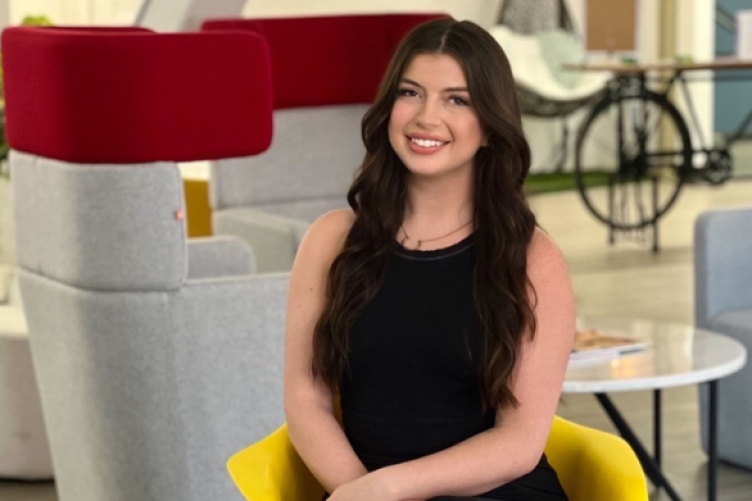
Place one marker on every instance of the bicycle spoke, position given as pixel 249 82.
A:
pixel 638 201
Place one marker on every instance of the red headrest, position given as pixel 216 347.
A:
pixel 327 60
pixel 131 95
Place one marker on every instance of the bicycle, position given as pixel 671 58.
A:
pixel 634 150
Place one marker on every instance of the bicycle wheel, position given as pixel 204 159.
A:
pixel 632 152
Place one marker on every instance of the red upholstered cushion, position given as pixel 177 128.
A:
pixel 327 60
pixel 131 96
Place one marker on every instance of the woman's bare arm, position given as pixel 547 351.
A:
pixel 309 407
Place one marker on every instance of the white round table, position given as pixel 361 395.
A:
pixel 676 355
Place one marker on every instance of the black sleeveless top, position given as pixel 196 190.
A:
pixel 412 387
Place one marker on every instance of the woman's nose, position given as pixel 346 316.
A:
pixel 429 114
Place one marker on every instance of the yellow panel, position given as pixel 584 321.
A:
pixel 198 217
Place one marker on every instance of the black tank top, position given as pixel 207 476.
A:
pixel 412 386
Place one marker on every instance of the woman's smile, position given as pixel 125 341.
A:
pixel 425 145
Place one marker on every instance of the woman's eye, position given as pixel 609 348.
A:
pixel 407 92
pixel 459 101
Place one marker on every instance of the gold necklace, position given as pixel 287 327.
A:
pixel 422 241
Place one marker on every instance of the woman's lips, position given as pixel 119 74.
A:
pixel 423 146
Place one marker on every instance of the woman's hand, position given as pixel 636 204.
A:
pixel 370 487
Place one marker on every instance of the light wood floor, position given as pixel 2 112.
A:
pixel 625 280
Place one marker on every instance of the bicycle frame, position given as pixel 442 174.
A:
pixel 717 167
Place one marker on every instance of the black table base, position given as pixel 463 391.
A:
pixel 652 464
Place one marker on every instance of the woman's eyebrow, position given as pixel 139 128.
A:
pixel 448 89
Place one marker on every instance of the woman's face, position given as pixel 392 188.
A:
pixel 433 126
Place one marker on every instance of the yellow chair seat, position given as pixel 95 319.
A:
pixel 592 465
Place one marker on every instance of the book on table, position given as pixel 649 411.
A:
pixel 591 345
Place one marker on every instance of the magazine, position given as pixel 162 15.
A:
pixel 591 345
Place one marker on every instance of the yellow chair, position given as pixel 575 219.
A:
pixel 593 466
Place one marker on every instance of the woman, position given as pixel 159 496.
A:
pixel 434 308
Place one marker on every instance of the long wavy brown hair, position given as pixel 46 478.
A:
pixel 504 222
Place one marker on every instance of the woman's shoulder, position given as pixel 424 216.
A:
pixel 334 224
pixel 543 252
pixel 326 236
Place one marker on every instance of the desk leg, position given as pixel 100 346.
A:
pixel 712 441
pixel 657 427
pixel 651 469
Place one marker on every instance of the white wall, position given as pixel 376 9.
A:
pixel 76 11
pixel 695 36
pixel 4 13
pixel 482 12
pixel 124 11
pixel 114 11
pixel 61 12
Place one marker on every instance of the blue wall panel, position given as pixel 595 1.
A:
pixel 733 100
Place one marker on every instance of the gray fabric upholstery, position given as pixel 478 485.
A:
pixel 274 239
pixel 214 257
pixel 241 344
pixel 314 154
pixel 723 303
pixel 103 227
pixel 304 210
pixel 147 387
pixel 306 173
pixel 735 397
pixel 723 262
pixel 146 395
pixel 274 231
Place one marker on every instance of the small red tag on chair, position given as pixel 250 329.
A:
pixel 179 215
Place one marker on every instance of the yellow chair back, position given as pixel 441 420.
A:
pixel 594 465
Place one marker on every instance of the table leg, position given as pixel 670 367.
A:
pixel 657 427
pixel 655 210
pixel 651 469
pixel 611 228
pixel 713 441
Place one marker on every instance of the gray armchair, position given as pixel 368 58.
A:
pixel 723 303
pixel 156 357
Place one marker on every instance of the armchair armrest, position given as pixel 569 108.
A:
pixel 274 238
pixel 215 257
pixel 271 470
